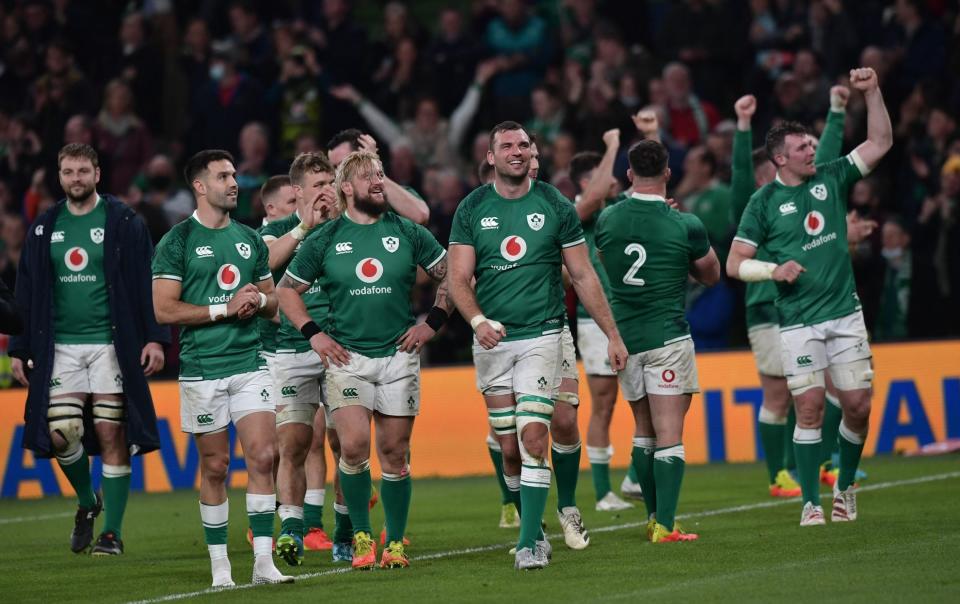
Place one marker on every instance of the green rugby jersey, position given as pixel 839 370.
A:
pixel 647 248
pixel 81 308
pixel 589 234
pixel 368 272
pixel 518 245
pixel 211 265
pixel 761 296
pixel 808 223
pixel 285 337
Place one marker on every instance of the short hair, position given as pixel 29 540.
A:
pixel 709 157
pixel 506 126
pixel 759 156
pixel 581 164
pixel 350 167
pixel 273 185
pixel 313 162
pixel 484 171
pixel 197 164
pixel 350 135
pixel 648 158
pixel 78 151
pixel 778 135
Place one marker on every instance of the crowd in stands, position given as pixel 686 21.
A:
pixel 150 82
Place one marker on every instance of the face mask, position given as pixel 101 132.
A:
pixel 217 71
pixel 892 253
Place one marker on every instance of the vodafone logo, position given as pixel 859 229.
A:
pixel 369 270
pixel 814 223
pixel 228 277
pixel 76 259
pixel 513 248
pixel 668 376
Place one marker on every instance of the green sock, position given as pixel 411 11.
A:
pixel 292 525
pixel 642 458
pixel 116 489
pixel 355 483
pixel 668 464
pixel 772 430
pixel 789 455
pixel 261 510
pixel 76 467
pixel 632 475
pixel 395 491
pixel 496 456
pixel 832 414
pixel 807 443
pixel 342 527
pixel 851 448
pixel 313 509
pixel 214 519
pixel 566 466
pixel 599 470
pixel 534 488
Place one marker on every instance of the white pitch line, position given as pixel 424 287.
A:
pixel 603 529
pixel 32 518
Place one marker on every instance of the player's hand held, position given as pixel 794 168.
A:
pixel 329 351
pixel 858 228
pixel 617 351
pixel 488 332
pixel 415 338
pixel 19 372
pixel 151 358
pixel 839 96
pixel 745 107
pixel 864 79
pixel 245 303
pixel 788 272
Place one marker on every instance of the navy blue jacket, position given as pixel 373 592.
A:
pixel 127 251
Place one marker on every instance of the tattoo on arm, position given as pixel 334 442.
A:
pixel 438 272
pixel 287 282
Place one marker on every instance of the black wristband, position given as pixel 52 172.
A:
pixel 436 318
pixel 310 329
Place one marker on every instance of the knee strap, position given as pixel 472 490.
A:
pixel 503 420
pixel 106 410
pixel 798 384
pixel 856 375
pixel 65 417
pixel 297 413
pixel 570 398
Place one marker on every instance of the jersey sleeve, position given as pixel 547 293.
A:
pixel 831 140
pixel 262 267
pixel 697 236
pixel 600 230
pixel 752 228
pixel 461 232
pixel 844 171
pixel 272 230
pixel 307 264
pixel 742 181
pixel 168 257
pixel 571 230
pixel 428 250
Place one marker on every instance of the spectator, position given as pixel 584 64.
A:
pixel 160 187
pixel 687 118
pixel 549 114
pixel 451 60
pixel 248 35
pixel 396 83
pixel 229 100
pixel 297 98
pixel 521 42
pixel 59 93
pixel 434 139
pixel 195 59
pixel 254 167
pixel 814 86
pixel 895 294
pixel 141 67
pixel 919 45
pixel 121 137
pixel 12 234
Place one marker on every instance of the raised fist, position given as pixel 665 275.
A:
pixel 745 107
pixel 863 79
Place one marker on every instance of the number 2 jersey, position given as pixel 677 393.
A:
pixel 808 224
pixel 646 248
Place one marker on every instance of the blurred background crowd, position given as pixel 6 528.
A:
pixel 150 82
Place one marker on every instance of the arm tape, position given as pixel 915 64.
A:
pixel 756 270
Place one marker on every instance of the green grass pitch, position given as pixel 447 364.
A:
pixel 904 547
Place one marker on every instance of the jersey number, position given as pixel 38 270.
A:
pixel 631 277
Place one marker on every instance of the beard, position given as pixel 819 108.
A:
pixel 368 206
pixel 514 179
pixel 85 193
